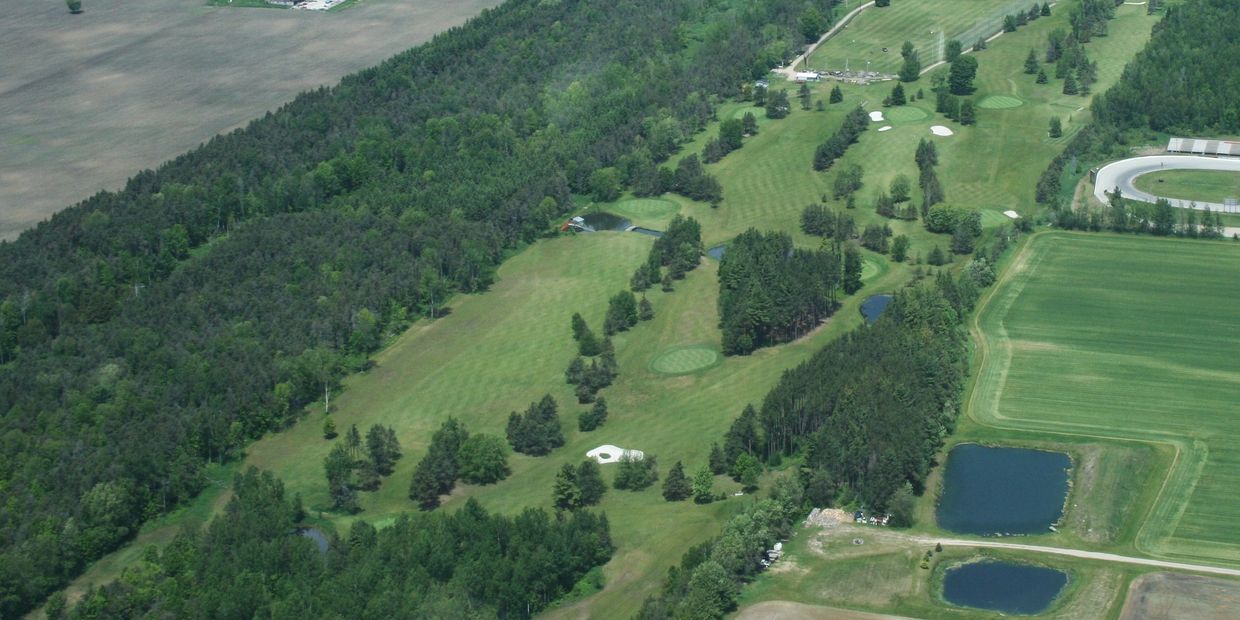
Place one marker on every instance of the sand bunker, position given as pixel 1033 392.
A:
pixel 876 116
pixel 884 128
pixel 612 454
pixel 1012 214
pixel 940 130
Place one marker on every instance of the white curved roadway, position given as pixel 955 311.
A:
pixel 1122 173
pixel 1078 553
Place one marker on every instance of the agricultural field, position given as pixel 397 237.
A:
pixel 1202 185
pixel 1137 347
pixel 87 100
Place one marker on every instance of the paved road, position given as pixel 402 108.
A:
pixel 1077 553
pixel 1122 173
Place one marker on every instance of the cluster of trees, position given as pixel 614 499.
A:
pixel 771 292
pixel 350 466
pixel 594 417
pixel 964 224
pixel 537 431
pixel 1072 65
pixel 910 70
pixel 834 147
pixel 818 220
pixel 602 368
pixel 927 157
pixel 889 204
pixel 777 105
pixel 1160 219
pixel 621 313
pixel 870 410
pixel 679 249
pixel 1193 50
pixel 210 300
pixel 248 563
pixel 731 132
pixel 578 487
pixel 1021 18
pixel 438 470
pixel 707 581
pixel 635 474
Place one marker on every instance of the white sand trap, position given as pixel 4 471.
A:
pixel 940 130
pixel 876 116
pixel 612 454
pixel 1012 214
pixel 884 128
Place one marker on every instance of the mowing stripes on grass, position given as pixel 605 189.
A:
pixel 999 102
pixel 1129 337
pixel 646 208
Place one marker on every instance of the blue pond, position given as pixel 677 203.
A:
pixel 1004 587
pixel 315 534
pixel 873 307
pixel 647 231
pixel 717 252
pixel 1002 490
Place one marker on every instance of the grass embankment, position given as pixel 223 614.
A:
pixel 1202 185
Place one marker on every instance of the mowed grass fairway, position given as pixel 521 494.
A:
pixel 86 101
pixel 919 21
pixel 1128 338
pixel 1203 185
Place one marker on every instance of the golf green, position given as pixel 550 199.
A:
pixel 1000 102
pixel 904 114
pixel 683 360
pixel 646 208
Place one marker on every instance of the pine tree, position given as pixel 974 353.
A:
pixel 676 487
pixel 645 311
pixel 1046 9
pixel 353 441
pixel 590 483
pixel 1042 78
pixel 1056 129
pixel 338 467
pixel 1031 63
pixel 329 429
pixel 852 269
pixel 967 114
pixel 837 95
pixel 565 494
pixel 936 257
pixel 718 462
pixel 1069 85
pixel 897 95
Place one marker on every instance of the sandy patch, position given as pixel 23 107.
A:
pixel 884 128
pixel 608 453
pixel 876 116
pixel 940 130
pixel 1012 214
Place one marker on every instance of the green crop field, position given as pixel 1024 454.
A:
pixel 1203 185
pixel 926 23
pixel 1127 338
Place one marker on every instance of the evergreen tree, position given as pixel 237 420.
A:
pixel 353 441
pixel 1009 23
pixel 1031 63
pixel 537 431
pixel 901 188
pixel 837 95
pixel 329 429
pixel 594 418
pixel 897 95
pixel 953 50
pixel 590 482
pixel 1042 78
pixel 852 269
pixel 980 44
pixel 967 113
pixel 565 495
pixel 936 257
pixel 1070 86
pixel 1046 9
pixel 676 486
pixel 635 474
pixel 645 311
pixel 962 239
pixel 899 248
pixel 749 124
pixel 1056 129
pixel 576 371
pixel 777 105
pixel 718 462
pixel 377 449
pixel 339 469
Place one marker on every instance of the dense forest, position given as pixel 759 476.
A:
pixel 149 331
pixel 771 292
pixel 1183 83
pixel 250 562
pixel 869 410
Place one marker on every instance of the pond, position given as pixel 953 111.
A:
pixel 717 252
pixel 1003 586
pixel 602 220
pixel 873 307
pixel 315 534
pixel 999 491
pixel 647 231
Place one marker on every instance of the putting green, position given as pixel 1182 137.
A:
pixel 646 208
pixel 683 360
pixel 871 267
pixel 1000 102
pixel 904 114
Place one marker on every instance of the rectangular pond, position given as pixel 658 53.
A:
pixel 999 491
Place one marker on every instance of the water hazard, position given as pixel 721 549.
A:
pixel 1003 586
pixel 717 252
pixel 602 220
pixel 999 491
pixel 873 307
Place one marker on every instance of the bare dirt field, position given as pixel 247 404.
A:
pixel 87 100
pixel 1170 596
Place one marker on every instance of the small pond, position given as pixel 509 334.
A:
pixel 602 220
pixel 997 491
pixel 717 252
pixel 873 307
pixel 315 534
pixel 647 231
pixel 1003 586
